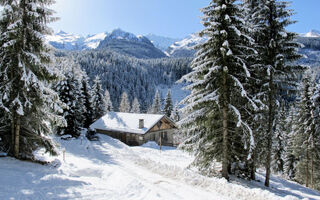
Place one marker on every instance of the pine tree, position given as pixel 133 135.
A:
pixel 306 147
pixel 315 140
pixel 69 94
pixel 107 101
pixel 218 97
pixel 135 108
pixel 258 92
pixel 98 107
pixel 279 141
pixel 277 52
pixel 168 107
pixel 290 158
pixel 156 106
pixel 25 73
pixel 124 104
pixel 86 93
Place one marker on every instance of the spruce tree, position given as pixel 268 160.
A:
pixel 306 143
pixel 290 158
pixel 69 94
pixel 124 104
pixel 214 109
pixel 156 106
pixel 168 107
pixel 98 106
pixel 254 24
pixel 25 75
pixel 304 131
pixel 135 108
pixel 277 52
pixel 279 141
pixel 107 101
pixel 315 140
pixel 86 93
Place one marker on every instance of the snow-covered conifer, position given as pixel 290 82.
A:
pixel 214 109
pixel 277 54
pixel 280 140
pixel 135 108
pixel 69 93
pixel 290 158
pixel 86 93
pixel 107 101
pixel 124 104
pixel 168 107
pixel 307 133
pixel 98 107
pixel 156 106
pixel 25 73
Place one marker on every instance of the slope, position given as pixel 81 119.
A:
pixel 111 170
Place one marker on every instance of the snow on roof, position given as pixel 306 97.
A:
pixel 126 122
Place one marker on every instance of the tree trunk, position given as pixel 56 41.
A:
pixel 17 138
pixel 312 165
pixel 307 167
pixel 225 162
pixel 13 127
pixel 270 130
pixel 253 166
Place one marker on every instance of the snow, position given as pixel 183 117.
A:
pixel 312 33
pixel 108 169
pixel 72 41
pixel 126 122
pixel 188 43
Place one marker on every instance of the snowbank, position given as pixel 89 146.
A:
pixel 109 169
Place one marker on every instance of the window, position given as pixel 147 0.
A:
pixel 164 136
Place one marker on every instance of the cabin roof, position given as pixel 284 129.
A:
pixel 127 122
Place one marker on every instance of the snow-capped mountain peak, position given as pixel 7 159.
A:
pixel 93 41
pixel 185 47
pixel 68 41
pixel 120 34
pixel 312 33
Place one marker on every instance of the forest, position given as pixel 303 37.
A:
pixel 252 104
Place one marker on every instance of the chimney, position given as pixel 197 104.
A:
pixel 141 123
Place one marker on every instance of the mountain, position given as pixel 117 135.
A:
pixel 71 42
pixel 93 41
pixel 185 47
pixel 312 33
pixel 129 44
pixel 161 42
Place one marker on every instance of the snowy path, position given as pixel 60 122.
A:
pixel 112 170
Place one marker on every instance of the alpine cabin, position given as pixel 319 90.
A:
pixel 137 129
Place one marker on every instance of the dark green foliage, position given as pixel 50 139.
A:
pixel 26 98
pixel 280 140
pixel 168 107
pixel 137 77
pixel 98 106
pixel 85 89
pixel 70 94
pixel 216 125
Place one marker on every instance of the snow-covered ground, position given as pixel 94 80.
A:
pixel 108 169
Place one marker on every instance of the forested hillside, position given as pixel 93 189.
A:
pixel 121 73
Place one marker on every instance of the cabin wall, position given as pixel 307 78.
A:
pixel 127 138
pixel 166 137
pixel 137 139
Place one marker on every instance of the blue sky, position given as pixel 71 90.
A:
pixel 173 18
